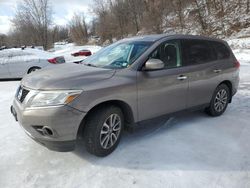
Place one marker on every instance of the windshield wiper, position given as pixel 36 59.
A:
pixel 89 64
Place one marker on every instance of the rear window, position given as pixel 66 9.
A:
pixel 197 52
pixel 222 52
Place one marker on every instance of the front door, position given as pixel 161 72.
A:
pixel 163 91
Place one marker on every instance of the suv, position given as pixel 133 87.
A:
pixel 122 85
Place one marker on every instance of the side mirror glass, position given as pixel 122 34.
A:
pixel 154 64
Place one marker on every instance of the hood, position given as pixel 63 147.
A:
pixel 65 76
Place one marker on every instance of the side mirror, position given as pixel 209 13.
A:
pixel 154 64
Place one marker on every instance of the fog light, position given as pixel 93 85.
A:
pixel 47 131
pixel 44 130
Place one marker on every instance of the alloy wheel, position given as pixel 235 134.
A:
pixel 220 100
pixel 110 131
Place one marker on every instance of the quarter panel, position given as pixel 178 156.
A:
pixel 230 73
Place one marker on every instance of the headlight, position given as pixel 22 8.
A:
pixel 52 98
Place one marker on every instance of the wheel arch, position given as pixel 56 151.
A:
pixel 126 110
pixel 33 67
pixel 230 86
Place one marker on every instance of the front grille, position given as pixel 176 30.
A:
pixel 21 94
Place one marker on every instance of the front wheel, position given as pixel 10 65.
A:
pixel 103 130
pixel 219 101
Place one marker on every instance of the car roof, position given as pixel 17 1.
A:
pixel 157 37
pixel 28 51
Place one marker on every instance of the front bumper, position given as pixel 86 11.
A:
pixel 62 146
pixel 64 121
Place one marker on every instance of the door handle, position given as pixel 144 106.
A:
pixel 217 70
pixel 182 77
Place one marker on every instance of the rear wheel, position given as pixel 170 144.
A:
pixel 219 101
pixel 103 130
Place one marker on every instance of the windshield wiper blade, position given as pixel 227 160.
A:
pixel 89 64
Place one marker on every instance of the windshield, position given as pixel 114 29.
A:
pixel 118 55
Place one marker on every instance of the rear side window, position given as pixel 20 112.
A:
pixel 222 52
pixel 19 53
pixel 197 52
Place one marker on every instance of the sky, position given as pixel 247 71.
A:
pixel 63 11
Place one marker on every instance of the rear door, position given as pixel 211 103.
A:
pixel 203 71
pixel 163 91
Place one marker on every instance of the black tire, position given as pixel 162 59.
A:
pixel 213 109
pixel 95 124
pixel 33 69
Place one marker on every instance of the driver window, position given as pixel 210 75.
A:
pixel 17 54
pixel 169 54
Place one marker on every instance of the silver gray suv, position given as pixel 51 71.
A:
pixel 124 84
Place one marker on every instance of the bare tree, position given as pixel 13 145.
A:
pixel 120 9
pixel 78 29
pixel 155 11
pixel 201 16
pixel 3 40
pixel 116 19
pixel 247 5
pixel 33 18
pixel 136 10
pixel 179 9
pixel 106 27
pixel 59 33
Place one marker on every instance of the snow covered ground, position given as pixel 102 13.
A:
pixel 193 150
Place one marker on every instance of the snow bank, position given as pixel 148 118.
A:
pixel 192 150
pixel 241 48
pixel 239 43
